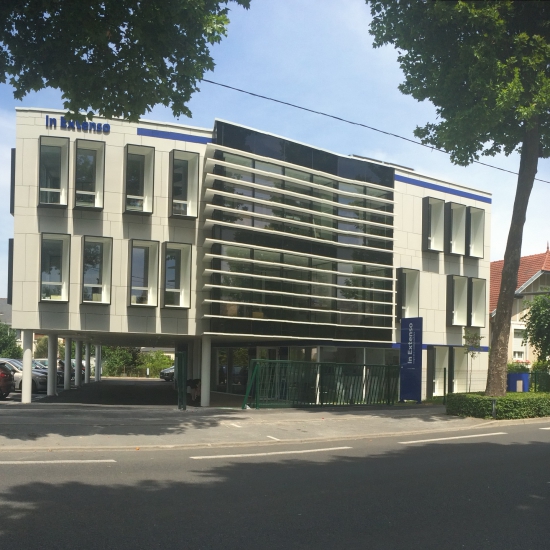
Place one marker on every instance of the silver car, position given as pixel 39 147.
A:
pixel 39 377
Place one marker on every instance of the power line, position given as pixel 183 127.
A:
pixel 355 124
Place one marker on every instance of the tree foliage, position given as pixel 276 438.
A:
pixel 484 66
pixel 41 348
pixel 155 361
pixel 9 348
pixel 537 325
pixel 117 58
pixel 117 360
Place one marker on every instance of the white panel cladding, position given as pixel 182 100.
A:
pixel 29 222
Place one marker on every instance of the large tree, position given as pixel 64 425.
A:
pixel 117 58
pixel 537 325
pixel 9 347
pixel 485 66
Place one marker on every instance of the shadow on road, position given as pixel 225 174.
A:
pixel 439 496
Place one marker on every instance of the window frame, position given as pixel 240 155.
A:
pixel 185 274
pixel 107 269
pixel 65 267
pixel 152 274
pixel 451 301
pixel 469 232
pixel 100 148
pixel 427 225
pixel 401 285
pixel 148 178
pixel 193 172
pixel 452 233
pixel 64 144
pixel 471 282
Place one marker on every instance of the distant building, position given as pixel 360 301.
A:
pixel 533 279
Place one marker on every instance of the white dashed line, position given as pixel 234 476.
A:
pixel 449 438
pixel 55 461
pixel 271 454
pixel 274 438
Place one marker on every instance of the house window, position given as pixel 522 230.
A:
pixel 143 273
pixel 475 231
pixel 184 183
pixel 455 230
pixel 139 178
pixel 477 302
pixel 96 270
pixel 408 284
pixel 89 173
pixel 519 355
pixel 518 334
pixel 457 300
pixel 54 267
pixel 433 217
pixel 53 171
pixel 177 275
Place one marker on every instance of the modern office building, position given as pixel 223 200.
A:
pixel 237 244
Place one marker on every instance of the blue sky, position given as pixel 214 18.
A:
pixel 315 53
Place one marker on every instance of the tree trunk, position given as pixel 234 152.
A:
pixel 498 356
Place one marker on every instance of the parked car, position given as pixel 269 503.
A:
pixel 39 377
pixel 42 361
pixel 167 374
pixel 7 383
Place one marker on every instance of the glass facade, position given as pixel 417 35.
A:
pixel 298 253
pixel 85 177
pixel 50 174
pixel 135 181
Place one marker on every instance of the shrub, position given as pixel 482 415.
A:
pixel 512 405
pixel 540 366
pixel 518 367
pixel 155 361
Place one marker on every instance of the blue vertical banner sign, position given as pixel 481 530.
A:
pixel 411 359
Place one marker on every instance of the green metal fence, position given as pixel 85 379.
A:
pixel 539 381
pixel 275 384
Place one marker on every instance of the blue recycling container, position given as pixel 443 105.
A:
pixel 518 382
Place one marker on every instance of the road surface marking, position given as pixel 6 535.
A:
pixel 544 428
pixel 274 438
pixel 55 461
pixel 448 438
pixel 271 454
pixel 236 425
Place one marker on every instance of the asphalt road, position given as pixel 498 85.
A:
pixel 481 489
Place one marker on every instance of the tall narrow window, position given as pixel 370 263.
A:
pixel 457 300
pixel 433 216
pixel 96 270
pixel 53 171
pixel 455 230
pixel 89 173
pixel 177 275
pixel 477 303
pixel 143 273
pixel 475 232
pixel 408 291
pixel 139 178
pixel 54 267
pixel 184 183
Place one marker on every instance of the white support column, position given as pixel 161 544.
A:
pixel 205 370
pixel 52 364
pixel 87 364
pixel 97 363
pixel 78 363
pixel 67 370
pixel 26 392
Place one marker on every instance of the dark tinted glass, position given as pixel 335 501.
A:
pixel 52 260
pixel 135 174
pixel 93 259
pixel 269 146
pixel 173 268
pixel 180 170
pixel 140 266
pixel 85 169
pixel 50 167
pixel 296 153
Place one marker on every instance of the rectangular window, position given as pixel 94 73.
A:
pixel 139 178
pixel 477 302
pixel 475 232
pixel 518 334
pixel 184 183
pixel 89 173
pixel 177 275
pixel 433 217
pixel 54 267
pixel 457 300
pixel 518 354
pixel 53 171
pixel 408 291
pixel 455 228
pixel 143 273
pixel 96 270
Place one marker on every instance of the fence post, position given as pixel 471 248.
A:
pixel 444 386
pixel 387 384
pixel 321 383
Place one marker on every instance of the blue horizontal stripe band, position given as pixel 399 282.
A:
pixel 426 346
pixel 172 135
pixel 443 189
